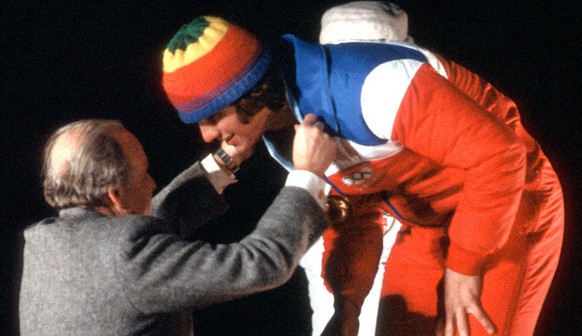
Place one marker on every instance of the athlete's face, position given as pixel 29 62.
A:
pixel 226 127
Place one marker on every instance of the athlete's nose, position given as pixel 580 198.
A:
pixel 208 132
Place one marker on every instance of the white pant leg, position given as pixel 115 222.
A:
pixel 320 298
pixel 369 313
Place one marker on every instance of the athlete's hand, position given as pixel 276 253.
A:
pixel 462 297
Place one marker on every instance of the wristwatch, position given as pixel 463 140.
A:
pixel 227 160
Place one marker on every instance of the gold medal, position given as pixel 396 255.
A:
pixel 338 208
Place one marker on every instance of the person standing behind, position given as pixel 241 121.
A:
pixel 113 263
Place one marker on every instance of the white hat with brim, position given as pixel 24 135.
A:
pixel 364 20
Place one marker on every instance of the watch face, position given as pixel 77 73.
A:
pixel 337 208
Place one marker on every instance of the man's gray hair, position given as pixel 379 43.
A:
pixel 94 161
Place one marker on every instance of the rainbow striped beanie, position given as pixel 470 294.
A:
pixel 209 64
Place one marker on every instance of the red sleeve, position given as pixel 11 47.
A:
pixel 482 92
pixel 439 122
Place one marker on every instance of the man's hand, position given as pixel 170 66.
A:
pixel 229 159
pixel 237 156
pixel 462 297
pixel 313 149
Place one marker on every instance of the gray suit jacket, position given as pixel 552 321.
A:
pixel 87 274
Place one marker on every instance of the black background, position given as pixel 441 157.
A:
pixel 65 60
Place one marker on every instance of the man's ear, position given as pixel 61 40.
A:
pixel 113 200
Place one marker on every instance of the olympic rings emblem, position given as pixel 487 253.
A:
pixel 358 177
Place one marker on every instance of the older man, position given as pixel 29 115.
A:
pixel 106 266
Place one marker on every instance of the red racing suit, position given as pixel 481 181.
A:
pixel 446 154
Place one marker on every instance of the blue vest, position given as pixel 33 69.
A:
pixel 327 80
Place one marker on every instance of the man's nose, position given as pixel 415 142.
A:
pixel 208 132
pixel 153 182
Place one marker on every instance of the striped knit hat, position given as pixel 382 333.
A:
pixel 209 64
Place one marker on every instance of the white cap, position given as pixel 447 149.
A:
pixel 364 20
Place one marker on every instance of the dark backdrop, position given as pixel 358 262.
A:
pixel 65 60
